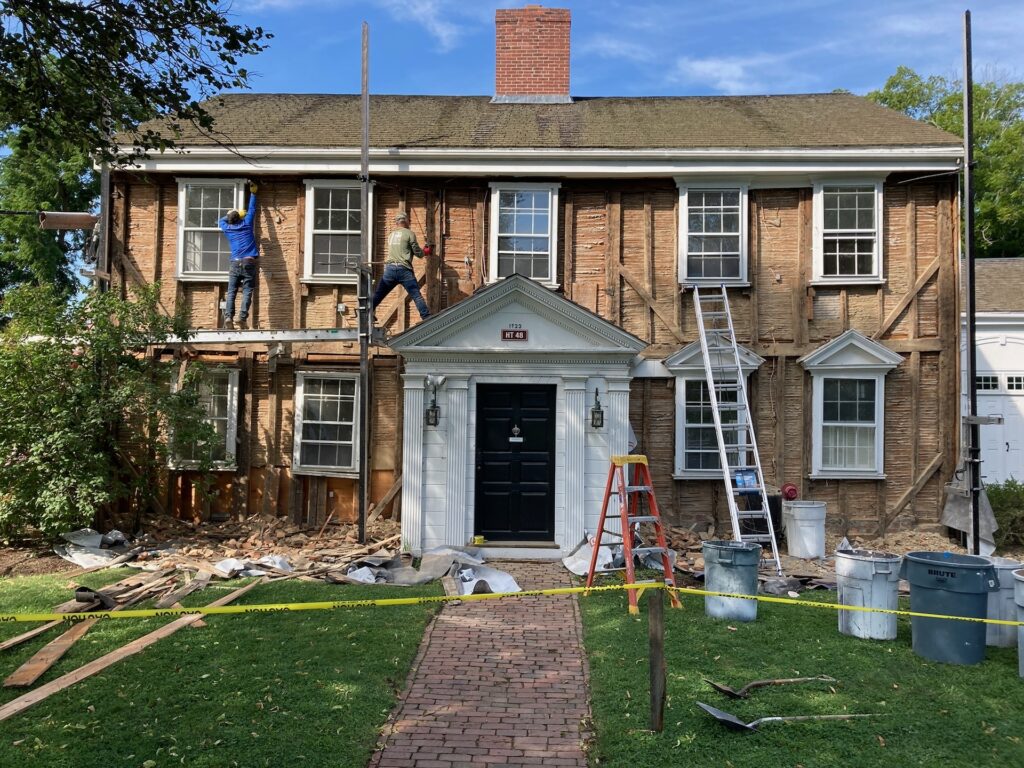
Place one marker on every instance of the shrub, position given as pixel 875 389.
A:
pixel 1007 501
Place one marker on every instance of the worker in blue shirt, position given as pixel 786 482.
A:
pixel 245 252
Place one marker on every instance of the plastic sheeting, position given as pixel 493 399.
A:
pixel 957 511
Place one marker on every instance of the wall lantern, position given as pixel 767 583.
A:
pixel 432 413
pixel 597 413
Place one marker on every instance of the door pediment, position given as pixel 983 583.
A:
pixel 516 315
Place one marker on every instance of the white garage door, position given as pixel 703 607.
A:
pixel 1001 452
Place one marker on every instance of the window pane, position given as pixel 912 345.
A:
pixel 523 233
pixel 206 251
pixel 848 401
pixel 328 422
pixel 335 254
pixel 711 251
pixel 848 447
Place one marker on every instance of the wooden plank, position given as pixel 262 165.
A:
pixel 911 226
pixel 914 370
pixel 31 698
pixel 613 259
pixel 320 511
pixel 909 296
pixel 911 492
pixel 649 300
pixel 300 238
pixel 779 398
pixel 376 510
pixel 24 637
pixel 649 274
pixel 568 254
pixel 904 346
pixel 656 653
pixel 480 239
pixel 804 259
pixel 201 580
pixel 47 656
pixel 947 227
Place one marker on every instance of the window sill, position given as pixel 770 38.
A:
pixel 712 283
pixel 846 476
pixel 842 282
pixel 330 279
pixel 552 286
pixel 352 474
pixel 707 474
pixel 195 467
pixel 202 277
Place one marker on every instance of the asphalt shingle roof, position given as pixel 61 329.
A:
pixel 999 285
pixel 701 122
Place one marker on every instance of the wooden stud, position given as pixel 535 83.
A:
pixel 894 314
pixel 649 274
pixel 480 240
pixel 613 259
pixel 300 238
pixel 568 238
pixel 805 246
pixel 637 285
pixel 911 226
pixel 779 397
pixel 911 493
pixel 844 310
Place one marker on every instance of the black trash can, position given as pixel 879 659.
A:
pixel 952 585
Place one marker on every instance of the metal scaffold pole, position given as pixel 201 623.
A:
pixel 365 311
pixel 974 447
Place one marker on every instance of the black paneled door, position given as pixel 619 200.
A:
pixel 515 462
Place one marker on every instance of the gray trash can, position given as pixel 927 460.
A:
pixel 868 579
pixel 1018 596
pixel 1001 605
pixel 953 585
pixel 731 566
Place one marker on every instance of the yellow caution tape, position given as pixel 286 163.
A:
pixel 224 610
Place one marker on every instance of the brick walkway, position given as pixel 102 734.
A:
pixel 496 683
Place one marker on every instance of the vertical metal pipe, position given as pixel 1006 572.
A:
pixel 365 311
pixel 974 450
pixel 101 277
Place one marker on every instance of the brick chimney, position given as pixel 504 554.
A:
pixel 531 55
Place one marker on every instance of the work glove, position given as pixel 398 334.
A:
pixel 253 187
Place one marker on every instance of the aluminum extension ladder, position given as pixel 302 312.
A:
pixel 737 446
pixel 629 495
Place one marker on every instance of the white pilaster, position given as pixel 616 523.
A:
pixel 412 465
pixel 618 434
pixel 456 414
pixel 576 419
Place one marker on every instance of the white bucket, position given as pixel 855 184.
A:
pixel 1018 595
pixel 868 579
pixel 805 528
pixel 1001 605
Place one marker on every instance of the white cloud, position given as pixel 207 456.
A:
pixel 432 15
pixel 614 47
pixel 731 75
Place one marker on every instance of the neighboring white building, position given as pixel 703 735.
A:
pixel 1000 371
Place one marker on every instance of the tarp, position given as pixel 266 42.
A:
pixel 957 511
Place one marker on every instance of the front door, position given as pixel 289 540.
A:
pixel 515 462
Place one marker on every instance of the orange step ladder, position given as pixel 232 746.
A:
pixel 630 517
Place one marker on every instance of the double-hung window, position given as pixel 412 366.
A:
pixel 524 231
pixel 326 434
pixel 848 406
pixel 848 232
pixel 700 443
pixel 713 235
pixel 696 443
pixel 203 251
pixel 218 397
pixel 333 237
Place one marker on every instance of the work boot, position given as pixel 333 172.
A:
pixel 229 325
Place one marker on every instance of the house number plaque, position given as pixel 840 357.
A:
pixel 515 334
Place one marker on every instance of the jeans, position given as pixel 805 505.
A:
pixel 242 271
pixel 395 274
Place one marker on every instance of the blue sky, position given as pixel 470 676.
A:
pixel 648 47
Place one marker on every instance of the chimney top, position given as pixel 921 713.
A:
pixel 531 55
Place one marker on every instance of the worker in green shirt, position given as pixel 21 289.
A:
pixel 402 246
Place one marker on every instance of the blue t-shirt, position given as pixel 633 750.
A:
pixel 240 236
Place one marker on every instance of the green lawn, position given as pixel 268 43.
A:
pixel 249 690
pixel 936 714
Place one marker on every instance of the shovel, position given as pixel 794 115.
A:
pixel 733 723
pixel 744 692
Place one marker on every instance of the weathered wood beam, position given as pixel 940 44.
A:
pixel 664 316
pixel 376 510
pixel 919 284
pixel 613 258
pixel 910 494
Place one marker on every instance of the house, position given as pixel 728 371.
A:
pixel 999 341
pixel 567 232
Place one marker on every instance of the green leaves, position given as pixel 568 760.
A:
pixel 79 71
pixel 85 410
pixel 999 146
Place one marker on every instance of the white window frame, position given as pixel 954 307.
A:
pixel 990 378
pixel 307 256
pixel 497 187
pixel 819 275
pixel 300 383
pixel 183 183
pixel 682 472
pixel 231 438
pixel 1014 383
pixel 685 187
pixel 818 471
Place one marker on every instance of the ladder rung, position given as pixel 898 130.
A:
pixel 731 407
pixel 638 489
pixel 751 514
pixel 613 533
pixel 649 550
pixel 643 519
pixel 715 313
